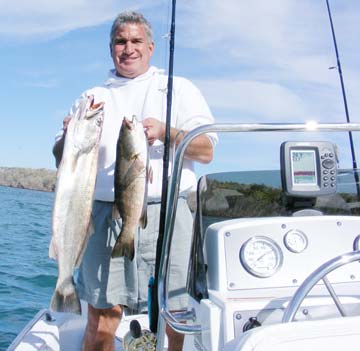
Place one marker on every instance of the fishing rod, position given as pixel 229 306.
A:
pixel 153 288
pixel 338 66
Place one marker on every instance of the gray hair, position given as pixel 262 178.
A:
pixel 127 17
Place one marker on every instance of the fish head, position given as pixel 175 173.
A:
pixel 87 123
pixel 93 109
pixel 87 109
pixel 132 135
pixel 130 124
pixel 94 113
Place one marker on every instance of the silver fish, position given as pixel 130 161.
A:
pixel 130 183
pixel 71 219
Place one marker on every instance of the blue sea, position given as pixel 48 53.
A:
pixel 27 274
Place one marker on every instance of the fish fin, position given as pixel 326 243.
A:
pixel 91 228
pixel 143 219
pixel 122 248
pixel 115 212
pixel 66 298
pixel 149 175
pixel 52 250
pixel 149 170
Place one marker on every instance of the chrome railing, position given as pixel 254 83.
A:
pixel 319 274
pixel 165 315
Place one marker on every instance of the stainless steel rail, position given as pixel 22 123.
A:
pixel 165 315
pixel 315 277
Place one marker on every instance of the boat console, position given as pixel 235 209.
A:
pixel 252 252
pixel 272 247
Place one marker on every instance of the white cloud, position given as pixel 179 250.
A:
pixel 266 101
pixel 287 38
pixel 259 101
pixel 44 18
pixel 255 24
pixel 275 54
pixel 273 57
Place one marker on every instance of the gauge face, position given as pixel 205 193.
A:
pixel 261 256
pixel 295 241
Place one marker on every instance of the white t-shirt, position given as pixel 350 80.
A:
pixel 145 96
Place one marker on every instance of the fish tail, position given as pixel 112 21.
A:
pixel 123 248
pixel 65 298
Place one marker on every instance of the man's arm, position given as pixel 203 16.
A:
pixel 200 149
pixel 59 145
pixel 58 150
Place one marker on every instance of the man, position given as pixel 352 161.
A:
pixel 136 88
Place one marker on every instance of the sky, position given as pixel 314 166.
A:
pixel 255 61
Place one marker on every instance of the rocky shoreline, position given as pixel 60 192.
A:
pixel 220 199
pixel 41 179
pixel 28 178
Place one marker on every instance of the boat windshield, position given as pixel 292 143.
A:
pixel 247 194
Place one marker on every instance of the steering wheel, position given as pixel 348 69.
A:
pixel 319 274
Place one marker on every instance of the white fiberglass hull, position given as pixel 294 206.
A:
pixel 64 331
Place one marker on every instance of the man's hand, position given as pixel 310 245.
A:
pixel 66 122
pixel 154 129
pixel 200 149
pixel 59 145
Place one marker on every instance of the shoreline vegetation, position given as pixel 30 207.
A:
pixel 41 179
pixel 226 199
pixel 28 178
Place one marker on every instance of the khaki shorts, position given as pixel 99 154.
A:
pixel 104 281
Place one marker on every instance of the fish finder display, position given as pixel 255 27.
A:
pixel 303 164
pixel 308 168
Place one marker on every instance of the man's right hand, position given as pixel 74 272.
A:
pixel 59 145
pixel 66 122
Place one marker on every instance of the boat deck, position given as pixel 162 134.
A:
pixel 64 331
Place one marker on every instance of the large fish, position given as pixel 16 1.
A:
pixel 71 220
pixel 130 183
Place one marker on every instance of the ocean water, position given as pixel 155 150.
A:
pixel 27 274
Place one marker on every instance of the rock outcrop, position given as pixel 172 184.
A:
pixel 28 178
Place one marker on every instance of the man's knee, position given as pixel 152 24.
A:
pixel 175 339
pixel 101 327
pixel 100 317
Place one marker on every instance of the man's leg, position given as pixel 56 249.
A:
pixel 175 340
pixel 101 327
pixel 180 253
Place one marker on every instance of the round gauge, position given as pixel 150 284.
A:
pixel 295 241
pixel 356 244
pixel 261 256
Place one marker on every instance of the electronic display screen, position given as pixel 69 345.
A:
pixel 308 168
pixel 303 165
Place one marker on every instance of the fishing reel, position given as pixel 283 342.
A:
pixel 137 339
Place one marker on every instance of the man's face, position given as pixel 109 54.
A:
pixel 131 51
